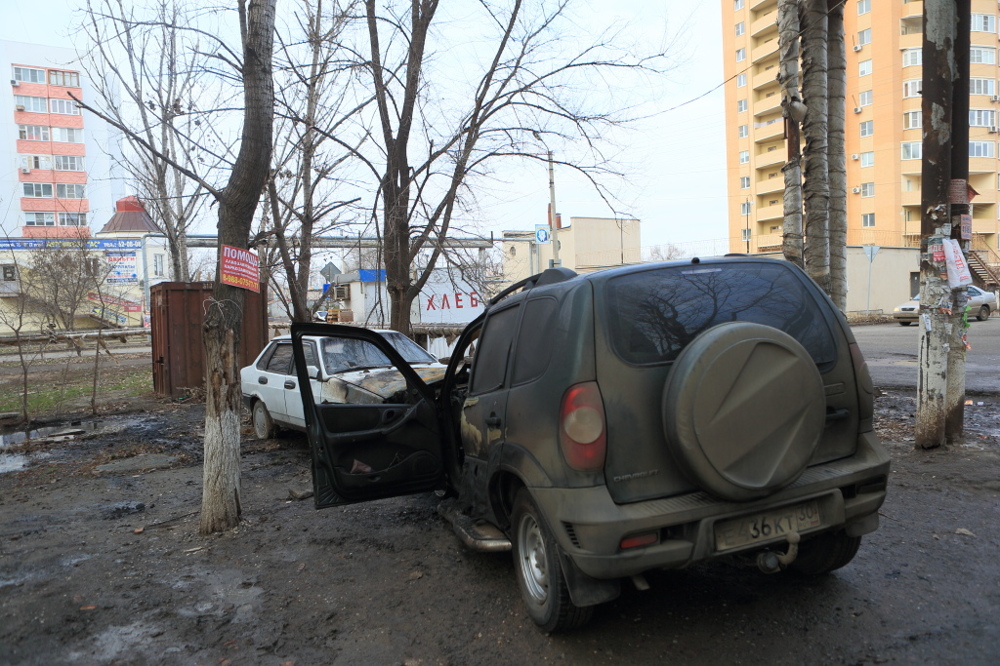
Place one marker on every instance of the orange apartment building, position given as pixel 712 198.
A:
pixel 883 128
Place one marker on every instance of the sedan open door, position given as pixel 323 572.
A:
pixel 363 452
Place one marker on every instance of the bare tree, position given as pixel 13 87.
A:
pixel 667 252
pixel 793 111
pixel 430 135
pixel 21 315
pixel 159 69
pixel 837 158
pixel 237 204
pixel 816 189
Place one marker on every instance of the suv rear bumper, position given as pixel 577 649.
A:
pixel 590 526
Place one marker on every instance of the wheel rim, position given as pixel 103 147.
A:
pixel 531 553
pixel 984 313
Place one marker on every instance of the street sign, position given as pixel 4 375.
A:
pixel 543 235
pixel 329 271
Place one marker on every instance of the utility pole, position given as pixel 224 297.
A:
pixel 746 233
pixel 935 296
pixel 553 225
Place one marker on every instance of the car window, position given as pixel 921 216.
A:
pixel 490 365
pixel 281 360
pixel 533 350
pixel 407 348
pixel 309 350
pixel 656 313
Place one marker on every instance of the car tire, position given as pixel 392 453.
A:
pixel 263 424
pixel 905 323
pixel 984 313
pixel 539 571
pixel 744 409
pixel 825 553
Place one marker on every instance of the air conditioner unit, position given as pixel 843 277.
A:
pixel 19 107
pixel 857 109
pixel 857 47
pixel 995 98
pixel 855 156
pixel 25 170
pixel 341 292
pixel 993 130
pixel 857 190
pixel 15 82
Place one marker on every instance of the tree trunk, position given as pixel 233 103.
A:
pixel 792 109
pixel 935 296
pixel 221 508
pixel 837 92
pixel 817 181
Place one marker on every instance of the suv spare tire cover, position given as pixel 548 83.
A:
pixel 743 410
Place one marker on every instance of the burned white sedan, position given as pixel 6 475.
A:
pixel 341 371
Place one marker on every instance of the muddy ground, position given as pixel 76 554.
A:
pixel 101 563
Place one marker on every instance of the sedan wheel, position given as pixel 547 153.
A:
pixel 984 313
pixel 263 424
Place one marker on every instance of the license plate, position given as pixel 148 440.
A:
pixel 763 527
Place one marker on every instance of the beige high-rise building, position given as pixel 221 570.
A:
pixel 883 129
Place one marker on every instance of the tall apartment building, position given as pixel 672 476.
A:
pixel 883 129
pixel 56 178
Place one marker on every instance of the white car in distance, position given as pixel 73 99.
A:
pixel 341 371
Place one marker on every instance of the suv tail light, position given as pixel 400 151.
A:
pixel 582 433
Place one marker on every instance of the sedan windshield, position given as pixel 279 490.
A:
pixel 344 354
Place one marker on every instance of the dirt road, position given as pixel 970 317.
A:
pixel 101 563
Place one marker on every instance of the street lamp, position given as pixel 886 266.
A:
pixel 746 232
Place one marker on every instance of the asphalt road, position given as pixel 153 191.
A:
pixel 891 351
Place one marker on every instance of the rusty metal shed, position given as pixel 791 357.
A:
pixel 177 313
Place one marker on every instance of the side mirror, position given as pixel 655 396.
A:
pixel 314 372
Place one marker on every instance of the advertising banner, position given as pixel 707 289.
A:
pixel 240 268
pixel 123 268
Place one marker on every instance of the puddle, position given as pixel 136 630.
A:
pixel 54 433
pixel 12 462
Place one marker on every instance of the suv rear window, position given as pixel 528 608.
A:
pixel 656 313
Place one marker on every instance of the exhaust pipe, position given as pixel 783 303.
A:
pixel 771 562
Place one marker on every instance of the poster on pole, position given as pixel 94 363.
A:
pixel 240 268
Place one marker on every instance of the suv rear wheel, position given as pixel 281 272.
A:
pixel 539 572
pixel 825 553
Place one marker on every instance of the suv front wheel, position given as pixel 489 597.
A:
pixel 539 572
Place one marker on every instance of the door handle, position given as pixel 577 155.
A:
pixel 262 380
pixel 289 384
pixel 493 421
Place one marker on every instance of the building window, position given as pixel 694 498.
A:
pixel 982 86
pixel 744 156
pixel 29 75
pixel 867 128
pixel 743 131
pixel 745 235
pixel 39 219
pixel 158 265
pixel 913 57
pixel 64 191
pixel 68 163
pixel 8 273
pixel 38 190
pixel 72 219
pixel 982 55
pixel 32 132
pixel 741 80
pixel 868 159
pixel 36 162
pixel 65 79
pixel 66 107
pixel 864 37
pixel 744 182
pixel 67 135
pixel 867 190
pixel 741 55
pixel 864 6
pixel 737 5
pixel 982 118
pixel 911 150
pixel 865 98
pixel 982 148
pixel 913 120
pixel 741 105
pixel 864 67
pixel 867 220
pixel 28 103
pixel 912 88
pixel 984 23
pixel 740 28
pixel 745 208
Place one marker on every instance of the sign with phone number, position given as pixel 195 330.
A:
pixel 240 268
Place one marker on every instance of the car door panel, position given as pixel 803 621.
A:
pixel 363 452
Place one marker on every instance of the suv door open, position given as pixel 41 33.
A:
pixel 363 452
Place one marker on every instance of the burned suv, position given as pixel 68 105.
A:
pixel 639 418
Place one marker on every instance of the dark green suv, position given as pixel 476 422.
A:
pixel 607 424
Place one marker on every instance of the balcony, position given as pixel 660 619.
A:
pixel 767 213
pixel 764 23
pixel 767 105
pixel 768 49
pixel 769 158
pixel 766 77
pixel 773 129
pixel 980 165
pixel 911 198
pixel 770 185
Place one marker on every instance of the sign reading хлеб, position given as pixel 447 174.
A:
pixel 240 268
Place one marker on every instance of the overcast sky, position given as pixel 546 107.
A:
pixel 676 161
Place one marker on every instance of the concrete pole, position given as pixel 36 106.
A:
pixel 553 225
pixel 935 296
